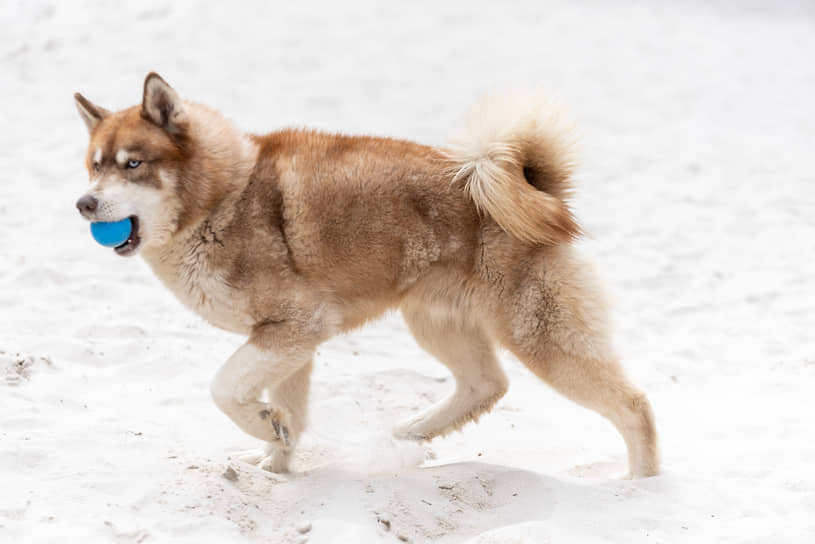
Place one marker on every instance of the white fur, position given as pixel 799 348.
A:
pixel 238 386
pixel 121 157
pixel 118 198
pixel 202 290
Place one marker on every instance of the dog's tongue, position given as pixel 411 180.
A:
pixel 112 234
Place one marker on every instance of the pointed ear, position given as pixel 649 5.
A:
pixel 90 113
pixel 162 106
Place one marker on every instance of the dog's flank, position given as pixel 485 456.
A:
pixel 292 237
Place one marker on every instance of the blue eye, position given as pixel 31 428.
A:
pixel 133 164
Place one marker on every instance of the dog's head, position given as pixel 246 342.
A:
pixel 166 164
pixel 135 160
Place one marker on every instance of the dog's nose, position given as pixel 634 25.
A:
pixel 86 204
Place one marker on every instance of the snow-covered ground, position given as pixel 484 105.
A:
pixel 697 185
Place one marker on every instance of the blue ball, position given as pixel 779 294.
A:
pixel 112 234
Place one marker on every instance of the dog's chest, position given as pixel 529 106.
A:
pixel 210 297
pixel 204 289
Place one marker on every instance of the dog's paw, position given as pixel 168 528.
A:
pixel 270 458
pixel 412 429
pixel 277 420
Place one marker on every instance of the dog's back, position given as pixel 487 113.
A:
pixel 366 217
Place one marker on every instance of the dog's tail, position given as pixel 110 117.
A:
pixel 516 161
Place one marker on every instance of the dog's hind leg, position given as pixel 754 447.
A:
pixel 463 348
pixel 601 385
pixel 556 326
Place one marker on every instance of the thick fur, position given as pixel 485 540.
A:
pixel 517 163
pixel 295 236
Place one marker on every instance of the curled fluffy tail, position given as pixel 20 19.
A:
pixel 516 161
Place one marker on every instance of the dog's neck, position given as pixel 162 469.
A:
pixel 223 159
pixel 190 259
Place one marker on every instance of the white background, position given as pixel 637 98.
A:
pixel 696 185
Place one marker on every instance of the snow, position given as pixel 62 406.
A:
pixel 696 185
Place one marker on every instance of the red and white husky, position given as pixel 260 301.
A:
pixel 292 237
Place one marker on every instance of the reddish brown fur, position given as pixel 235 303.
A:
pixel 295 236
pixel 348 234
pixel 147 142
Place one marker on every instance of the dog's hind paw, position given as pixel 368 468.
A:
pixel 411 430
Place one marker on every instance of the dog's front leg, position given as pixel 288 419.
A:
pixel 276 359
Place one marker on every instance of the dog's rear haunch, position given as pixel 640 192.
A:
pixel 295 236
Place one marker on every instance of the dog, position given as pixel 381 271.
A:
pixel 295 236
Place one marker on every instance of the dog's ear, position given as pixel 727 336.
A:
pixel 90 112
pixel 162 106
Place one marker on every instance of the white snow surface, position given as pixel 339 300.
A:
pixel 696 184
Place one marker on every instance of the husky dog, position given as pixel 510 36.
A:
pixel 292 237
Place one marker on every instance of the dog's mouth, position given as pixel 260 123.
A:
pixel 133 241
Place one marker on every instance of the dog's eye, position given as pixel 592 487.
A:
pixel 96 167
pixel 133 164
